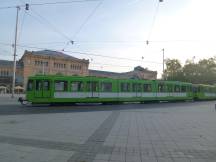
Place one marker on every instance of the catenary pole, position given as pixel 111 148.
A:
pixel 163 63
pixel 14 60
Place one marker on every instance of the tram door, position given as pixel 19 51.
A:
pixel 93 87
pixel 42 89
pixel 46 89
pixel 39 88
pixel 139 90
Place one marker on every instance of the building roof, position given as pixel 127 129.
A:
pixel 7 63
pixel 103 72
pixel 138 68
pixel 130 74
pixel 51 53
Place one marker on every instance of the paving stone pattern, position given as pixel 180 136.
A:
pixel 96 140
pixel 168 133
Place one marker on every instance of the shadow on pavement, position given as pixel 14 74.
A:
pixel 43 109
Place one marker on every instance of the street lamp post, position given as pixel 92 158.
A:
pixel 15 47
pixel 163 63
pixel 142 60
pixel 14 60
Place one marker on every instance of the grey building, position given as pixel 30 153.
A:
pixel 138 73
pixel 6 74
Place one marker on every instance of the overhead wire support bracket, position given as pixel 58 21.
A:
pixel 49 3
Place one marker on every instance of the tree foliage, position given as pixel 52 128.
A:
pixel 202 72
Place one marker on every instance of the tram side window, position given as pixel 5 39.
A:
pixel 161 88
pixel 92 86
pixel 134 87
pixel 30 85
pixel 38 85
pixel 177 88
pixel 210 89
pixel 77 86
pixel 147 87
pixel 46 85
pixel 195 89
pixel 189 89
pixel 106 87
pixel 139 87
pixel 203 89
pixel 183 88
pixel 125 87
pixel 60 86
pixel 199 89
pixel 170 88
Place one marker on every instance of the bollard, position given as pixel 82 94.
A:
pixel 215 107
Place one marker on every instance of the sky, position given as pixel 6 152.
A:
pixel 115 28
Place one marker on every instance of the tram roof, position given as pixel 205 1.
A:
pixel 39 76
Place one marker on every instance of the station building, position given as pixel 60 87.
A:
pixel 41 62
pixel 138 73
pixel 6 76
pixel 53 62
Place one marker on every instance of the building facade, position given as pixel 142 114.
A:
pixel 138 73
pixel 52 62
pixel 41 62
pixel 6 74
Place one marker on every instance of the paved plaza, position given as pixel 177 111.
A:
pixel 157 132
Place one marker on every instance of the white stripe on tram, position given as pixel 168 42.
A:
pixel 210 94
pixel 115 94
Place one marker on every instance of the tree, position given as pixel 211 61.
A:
pixel 173 70
pixel 191 72
pixel 203 72
pixel 207 69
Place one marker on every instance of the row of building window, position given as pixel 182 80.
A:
pixel 72 66
pixel 41 63
pixel 4 73
pixel 76 67
pixel 58 65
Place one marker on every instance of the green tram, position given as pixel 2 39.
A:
pixel 76 89
pixel 204 92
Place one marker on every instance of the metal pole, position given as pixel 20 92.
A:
pixel 163 63
pixel 14 61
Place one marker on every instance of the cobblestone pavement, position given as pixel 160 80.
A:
pixel 163 132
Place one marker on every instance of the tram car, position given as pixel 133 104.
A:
pixel 51 89
pixel 204 92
